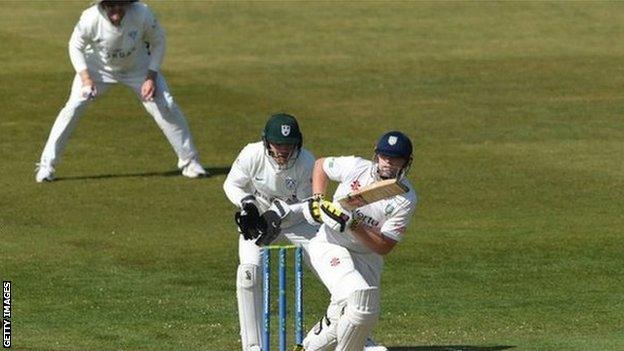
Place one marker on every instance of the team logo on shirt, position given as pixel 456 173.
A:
pixel 355 185
pixel 392 140
pixel 360 217
pixel 119 53
pixel 290 183
pixel 334 261
pixel 285 130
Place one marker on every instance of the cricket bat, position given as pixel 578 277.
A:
pixel 374 192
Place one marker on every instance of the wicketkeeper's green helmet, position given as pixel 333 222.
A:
pixel 282 128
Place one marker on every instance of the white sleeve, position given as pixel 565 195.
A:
pixel 338 168
pixel 236 184
pixel 79 40
pixel 155 36
pixel 395 226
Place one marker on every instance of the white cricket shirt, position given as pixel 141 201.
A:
pixel 256 173
pixel 390 216
pixel 113 53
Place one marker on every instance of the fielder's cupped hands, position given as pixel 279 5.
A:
pixel 88 90
pixel 148 89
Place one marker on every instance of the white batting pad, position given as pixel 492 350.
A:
pixel 358 320
pixel 249 295
pixel 322 337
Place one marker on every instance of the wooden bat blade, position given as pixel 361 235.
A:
pixel 373 193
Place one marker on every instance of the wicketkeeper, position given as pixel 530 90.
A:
pixel 117 41
pixel 347 253
pixel 264 179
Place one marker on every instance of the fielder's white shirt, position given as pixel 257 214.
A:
pixel 113 53
pixel 255 173
pixel 390 216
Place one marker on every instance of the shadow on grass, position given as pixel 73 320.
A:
pixel 214 171
pixel 450 348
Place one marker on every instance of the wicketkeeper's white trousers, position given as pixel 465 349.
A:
pixel 249 290
pixel 163 109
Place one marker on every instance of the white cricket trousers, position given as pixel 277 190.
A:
pixel 343 271
pixel 163 109
pixel 249 289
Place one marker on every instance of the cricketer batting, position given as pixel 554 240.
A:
pixel 347 252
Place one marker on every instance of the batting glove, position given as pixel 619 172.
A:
pixel 312 212
pixel 334 216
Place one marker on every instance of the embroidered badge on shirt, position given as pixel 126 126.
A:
pixel 290 183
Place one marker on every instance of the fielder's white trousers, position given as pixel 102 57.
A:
pixel 163 109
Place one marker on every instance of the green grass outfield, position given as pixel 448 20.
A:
pixel 516 110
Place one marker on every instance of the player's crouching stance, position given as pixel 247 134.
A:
pixel 347 253
pixel 120 41
pixel 266 177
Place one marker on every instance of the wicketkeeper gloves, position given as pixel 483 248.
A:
pixel 271 222
pixel 269 227
pixel 247 219
pixel 266 227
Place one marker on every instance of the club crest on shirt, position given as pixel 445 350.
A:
pixel 290 183
pixel 285 130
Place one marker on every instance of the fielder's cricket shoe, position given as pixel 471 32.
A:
pixel 194 170
pixel 371 345
pixel 44 173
